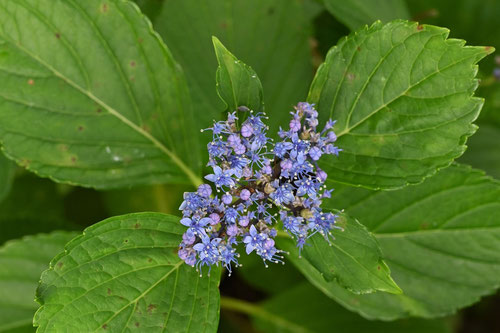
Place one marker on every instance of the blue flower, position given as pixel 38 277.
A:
pixel 252 240
pixel 221 177
pixel 283 194
pixel 259 177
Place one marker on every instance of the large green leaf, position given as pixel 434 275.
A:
pixel 271 36
pixel 123 274
pixel 7 169
pixel 237 83
pixel 402 97
pixel 303 309
pixel 96 98
pixel 355 13
pixel 34 205
pixel 353 259
pixel 440 240
pixel 21 263
pixel 484 150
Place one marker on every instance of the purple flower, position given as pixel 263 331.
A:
pixel 247 130
pixel 315 153
pixel 245 194
pixel 295 125
pixel 227 199
pixel 204 190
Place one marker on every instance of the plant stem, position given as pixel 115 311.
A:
pixel 238 305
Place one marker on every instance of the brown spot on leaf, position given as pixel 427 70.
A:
pixel 350 77
pixel 146 128
pixel 150 260
pixel 132 63
pixel 358 48
pixel 137 324
pixel 488 49
pixel 137 225
pixel 60 264
pixel 80 128
pixel 73 159
pixel 63 147
pixel 151 308
pixel 25 163
pixel 105 326
pixel 104 8
pixel 31 82
pixel 424 225
pixel 58 35
pixel 420 27
pixel 132 78
pixel 99 110
pixel 378 267
pixel 126 240
pixel 223 25
pixel 109 291
pixel 140 40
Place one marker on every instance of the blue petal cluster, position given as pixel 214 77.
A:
pixel 256 181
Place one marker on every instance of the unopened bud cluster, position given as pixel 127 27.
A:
pixel 258 182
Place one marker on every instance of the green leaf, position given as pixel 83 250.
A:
pixel 272 36
pixel 484 150
pixel 402 97
pixel 304 309
pixel 353 259
pixel 440 240
pixel 355 13
pixel 124 274
pixel 34 205
pixel 96 98
pixel 237 83
pixel 7 169
pixel 21 263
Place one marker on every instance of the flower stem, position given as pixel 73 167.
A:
pixel 252 309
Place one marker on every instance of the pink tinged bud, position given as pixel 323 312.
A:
pixel 315 153
pixel 295 125
pixel 322 175
pixel 246 130
pixel 232 230
pixel 245 194
pixel 331 136
pixel 240 149
pixel 286 165
pixel 247 172
pixel 227 199
pixel 204 190
pixel 244 220
pixel 215 218
pixel 188 239
pixel 233 140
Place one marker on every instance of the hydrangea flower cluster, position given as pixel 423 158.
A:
pixel 257 181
